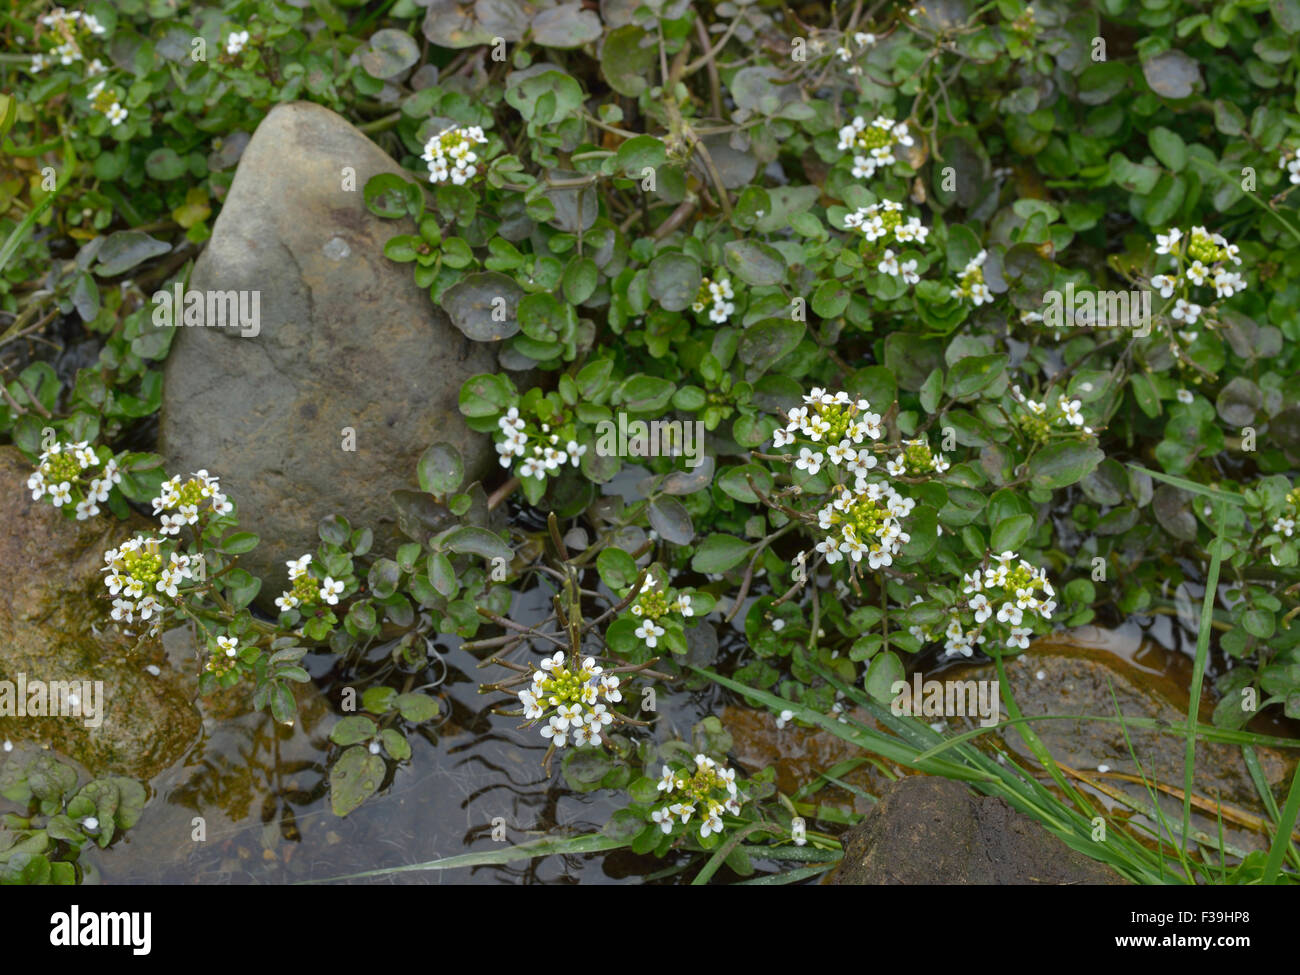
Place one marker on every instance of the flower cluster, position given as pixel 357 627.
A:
pixel 70 28
pixel 307 590
pixel 543 450
pixel 916 460
pixel 105 101
pixel 1004 598
pixel 185 499
pixel 140 573
pixel 882 224
pixel 236 42
pixel 837 421
pixel 1201 259
pixel 1039 421
pixel 971 284
pixel 451 156
pixel 864 522
pixel 223 653
pixel 75 474
pixel 872 143
pixel 569 698
pixel 653 603
pixel 707 791
pixel 716 297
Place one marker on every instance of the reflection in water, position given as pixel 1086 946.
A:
pixel 261 791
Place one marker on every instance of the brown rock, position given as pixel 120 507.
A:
pixel 53 628
pixel 928 830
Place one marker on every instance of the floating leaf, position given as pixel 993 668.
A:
pixel 355 777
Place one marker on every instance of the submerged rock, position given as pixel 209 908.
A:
pixel 928 830
pixel 345 342
pixel 52 624
pixel 1093 671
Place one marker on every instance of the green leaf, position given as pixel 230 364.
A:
pixel 477 541
pixel 484 306
pixel 1168 147
pixel 975 373
pixel 640 152
pixel 754 263
pixel 352 730
pixel 355 777
pixel 1062 464
pixel 440 470
pixel 416 707
pixel 1011 533
pixel 674 281
pixel 580 280
pixel 884 671
pixel 718 553
pixel 239 543
pixel 389 53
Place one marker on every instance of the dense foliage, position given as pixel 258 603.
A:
pixel 893 260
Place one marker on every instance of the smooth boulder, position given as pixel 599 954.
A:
pixel 346 345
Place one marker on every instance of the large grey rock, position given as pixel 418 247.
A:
pixel 928 830
pixel 54 627
pixel 346 339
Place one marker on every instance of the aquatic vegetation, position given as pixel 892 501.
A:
pixel 809 347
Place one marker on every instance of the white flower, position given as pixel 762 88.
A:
pixel 60 494
pixel 668 780
pixel 784 718
pixel 116 114
pixel 298 567
pixel 1184 396
pixel 36 484
pixel 979 604
pixel 908 269
pixel 649 632
pixel 809 461
pixel 236 41
pixel 1070 410
pixel 1165 284
pixel 228 644
pixel 286 602
pixel 664 818
pixel 1168 241
pixel 86 509
pixel 330 590
pixel 555 730
pixel 1019 637
pixel 713 824
pixel 888 264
